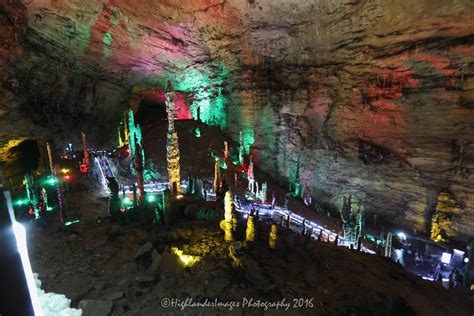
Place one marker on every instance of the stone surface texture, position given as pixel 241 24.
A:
pixel 373 98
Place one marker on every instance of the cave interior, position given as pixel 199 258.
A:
pixel 237 156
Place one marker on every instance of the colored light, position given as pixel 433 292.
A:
pixel 198 132
pixel 64 170
pixel 72 222
pixel 446 258
pixel 51 181
pixel 21 202
pixel 151 198
pixel 20 236
pixel 187 260
pixel 67 177
pixel 126 200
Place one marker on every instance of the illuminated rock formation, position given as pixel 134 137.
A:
pixel 251 177
pixel 138 165
pixel 250 231
pixel 368 95
pixel 172 147
pixel 85 165
pixel 226 150
pixel 441 223
pixel 217 178
pixel 226 224
pixel 352 220
pixel 272 237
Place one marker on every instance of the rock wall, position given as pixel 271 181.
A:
pixel 373 98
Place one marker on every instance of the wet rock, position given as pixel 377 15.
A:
pixel 76 286
pixel 114 232
pixel 253 272
pixel 72 238
pixel 311 278
pixel 170 265
pixel 129 267
pixel 147 247
pixel 142 236
pixel 95 307
pixel 112 296
pixel 156 259
pixel 146 280
pixel 216 286
pixel 99 285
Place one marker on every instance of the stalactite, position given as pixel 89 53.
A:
pixel 172 147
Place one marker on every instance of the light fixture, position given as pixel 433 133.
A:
pixel 402 236
pixel 446 258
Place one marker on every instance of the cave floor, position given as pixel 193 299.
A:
pixel 101 261
pixel 128 268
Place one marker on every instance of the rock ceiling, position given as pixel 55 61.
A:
pixel 373 98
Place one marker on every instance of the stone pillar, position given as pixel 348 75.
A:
pixel 138 165
pixel 217 178
pixel 226 150
pixel 172 147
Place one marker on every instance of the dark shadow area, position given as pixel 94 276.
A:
pixel 26 155
pixel 150 111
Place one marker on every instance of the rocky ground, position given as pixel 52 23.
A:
pixel 127 268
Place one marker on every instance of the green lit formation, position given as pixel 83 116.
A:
pixel 72 222
pixel 31 192
pixel 352 221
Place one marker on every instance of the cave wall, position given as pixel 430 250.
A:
pixel 373 98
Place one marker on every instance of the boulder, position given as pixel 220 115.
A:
pixel 95 307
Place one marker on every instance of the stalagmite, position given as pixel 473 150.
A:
pixel 50 158
pixel 32 195
pixel 85 165
pixel 172 148
pixel 226 150
pixel 388 245
pixel 250 231
pixel 131 132
pixel 217 178
pixel 241 149
pixel 250 177
pixel 138 165
pixel 226 223
pixel 272 237
pixel 263 193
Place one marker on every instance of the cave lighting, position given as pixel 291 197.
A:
pixel 20 236
pixel 187 260
pixel 402 236
pixel 72 222
pixel 151 198
pixel 51 181
pixel 21 202
pixel 446 258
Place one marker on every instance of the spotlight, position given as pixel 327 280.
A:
pixel 402 236
pixel 466 260
pixel 446 258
